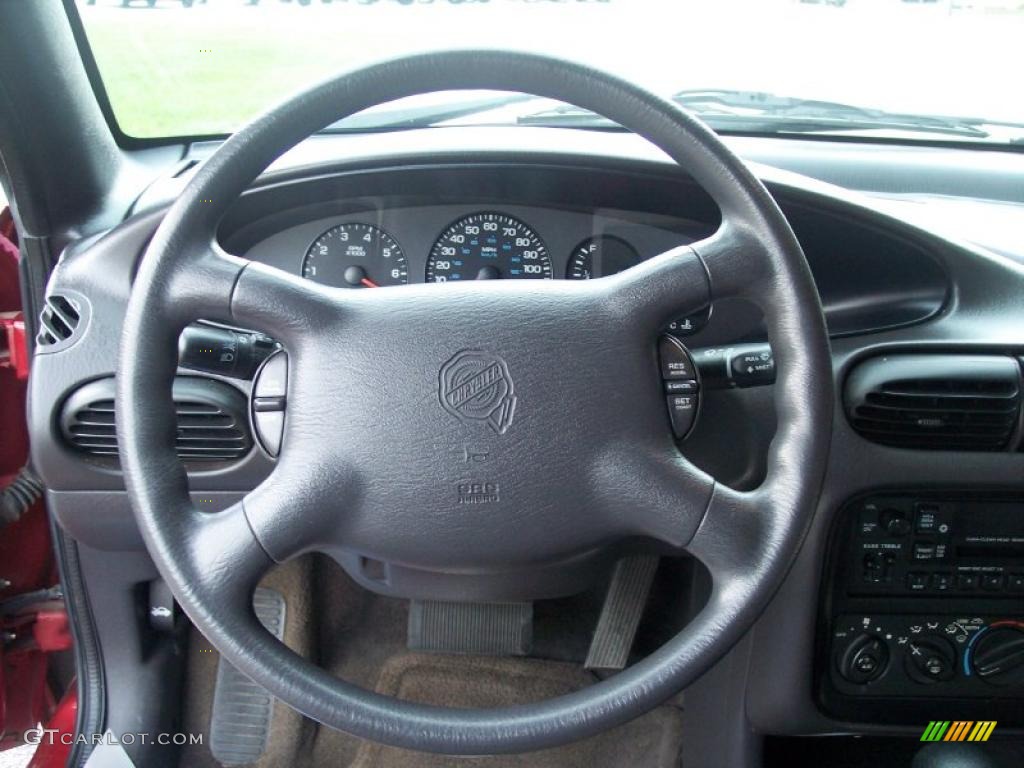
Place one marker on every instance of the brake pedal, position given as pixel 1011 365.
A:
pixel 242 710
pixel 488 629
pixel 620 615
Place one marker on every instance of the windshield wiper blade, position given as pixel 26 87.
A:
pixel 756 112
pixel 423 116
pixel 790 114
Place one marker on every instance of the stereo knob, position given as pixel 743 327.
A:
pixel 894 522
pixel 864 659
pixel 997 654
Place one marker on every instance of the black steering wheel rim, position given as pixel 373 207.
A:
pixel 212 561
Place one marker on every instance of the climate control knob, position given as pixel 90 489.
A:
pixel 930 660
pixel 864 659
pixel 996 655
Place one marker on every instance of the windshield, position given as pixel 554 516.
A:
pixel 174 68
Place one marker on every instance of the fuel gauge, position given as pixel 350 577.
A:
pixel 601 256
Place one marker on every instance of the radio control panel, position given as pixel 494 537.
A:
pixel 905 546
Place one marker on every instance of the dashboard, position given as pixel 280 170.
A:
pixel 569 222
pixel 377 212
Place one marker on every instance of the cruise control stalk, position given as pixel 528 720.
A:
pixel 737 366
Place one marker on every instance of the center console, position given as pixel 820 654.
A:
pixel 923 610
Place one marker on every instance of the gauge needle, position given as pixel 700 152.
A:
pixel 368 283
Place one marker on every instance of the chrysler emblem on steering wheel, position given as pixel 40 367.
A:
pixel 476 386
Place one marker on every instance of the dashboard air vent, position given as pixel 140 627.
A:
pixel 212 420
pixel 936 402
pixel 58 320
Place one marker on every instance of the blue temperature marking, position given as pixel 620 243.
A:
pixel 474 242
pixel 516 259
pixel 457 262
pixel 967 651
pixel 455 276
pixel 506 247
pixel 516 271
pixel 465 251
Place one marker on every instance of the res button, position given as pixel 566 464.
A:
pixel 675 360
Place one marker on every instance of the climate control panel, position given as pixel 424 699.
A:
pixel 942 656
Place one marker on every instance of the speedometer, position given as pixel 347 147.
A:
pixel 488 246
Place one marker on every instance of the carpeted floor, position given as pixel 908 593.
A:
pixel 652 740
pixel 360 637
pixel 291 735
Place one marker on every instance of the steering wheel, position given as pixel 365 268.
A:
pixel 371 453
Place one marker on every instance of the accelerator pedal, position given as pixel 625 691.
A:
pixel 620 616
pixel 487 629
pixel 242 710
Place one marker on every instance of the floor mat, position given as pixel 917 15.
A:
pixel 361 637
pixel 651 741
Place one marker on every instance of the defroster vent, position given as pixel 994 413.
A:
pixel 936 402
pixel 212 416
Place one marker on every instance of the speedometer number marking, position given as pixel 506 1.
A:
pixel 488 246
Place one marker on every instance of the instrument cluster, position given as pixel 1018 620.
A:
pixel 484 245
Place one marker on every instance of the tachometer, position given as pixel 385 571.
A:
pixel 356 256
pixel 488 246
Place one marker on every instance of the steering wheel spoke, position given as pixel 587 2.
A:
pixel 658 290
pixel 200 289
pixel 734 533
pixel 290 308
pixel 223 552
pixel 213 284
pixel 736 261
pixel 660 496
pixel 299 508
